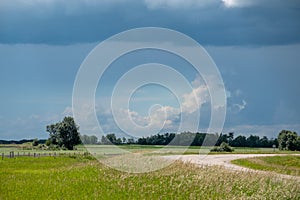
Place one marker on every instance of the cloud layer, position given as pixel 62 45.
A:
pixel 213 22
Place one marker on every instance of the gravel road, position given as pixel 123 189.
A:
pixel 224 160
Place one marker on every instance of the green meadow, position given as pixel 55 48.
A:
pixel 73 175
pixel 82 177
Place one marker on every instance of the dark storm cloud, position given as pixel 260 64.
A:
pixel 236 22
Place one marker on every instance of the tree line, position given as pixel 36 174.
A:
pixel 194 139
pixel 65 134
pixel 286 140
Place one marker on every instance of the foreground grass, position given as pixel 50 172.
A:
pixel 281 164
pixel 81 178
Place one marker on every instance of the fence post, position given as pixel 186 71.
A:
pixel 34 154
pixel 2 156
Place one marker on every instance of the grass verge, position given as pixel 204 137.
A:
pixel 280 164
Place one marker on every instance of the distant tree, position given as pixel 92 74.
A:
pixel 48 142
pixel 230 137
pixel 64 133
pixel 104 140
pixel 112 138
pixel 288 140
pixel 142 141
pixel 93 139
pixel 35 142
pixel 124 140
pixel 264 142
pixel 222 138
pixel 198 140
pixel 130 141
pixel 118 141
pixel 86 139
pixel 253 141
pixel 298 144
pixel 239 141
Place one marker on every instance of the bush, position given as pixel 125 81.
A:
pixel 35 142
pixel 224 147
pixel 48 142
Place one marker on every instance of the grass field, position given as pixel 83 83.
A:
pixel 147 149
pixel 84 178
pixel 281 164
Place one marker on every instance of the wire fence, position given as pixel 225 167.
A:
pixel 13 154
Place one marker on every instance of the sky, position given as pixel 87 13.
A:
pixel 254 43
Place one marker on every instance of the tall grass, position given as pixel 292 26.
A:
pixel 80 178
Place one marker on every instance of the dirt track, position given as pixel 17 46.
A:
pixel 224 160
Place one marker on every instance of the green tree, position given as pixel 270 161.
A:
pixel 288 140
pixel 118 141
pixel 253 141
pixel 112 138
pixel 230 138
pixel 264 142
pixel 64 133
pixel 89 139
pixel 104 140
pixel 35 142
pixel 239 141
pixel 130 141
pixel 93 139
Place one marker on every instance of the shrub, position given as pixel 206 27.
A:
pixel 35 142
pixel 224 147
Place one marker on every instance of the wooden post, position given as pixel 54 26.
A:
pixel 2 156
pixel 34 154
